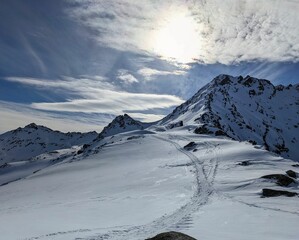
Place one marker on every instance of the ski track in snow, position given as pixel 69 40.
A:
pixel 182 217
pixel 205 170
pixel 215 160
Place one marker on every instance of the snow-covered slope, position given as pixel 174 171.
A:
pixel 25 143
pixel 121 124
pixel 245 109
pixel 137 185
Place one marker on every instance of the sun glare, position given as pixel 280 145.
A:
pixel 177 38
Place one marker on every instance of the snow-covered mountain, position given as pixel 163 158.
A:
pixel 25 143
pixel 245 109
pixel 121 124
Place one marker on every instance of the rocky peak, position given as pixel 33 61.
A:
pixel 122 123
pixel 31 125
pixel 246 108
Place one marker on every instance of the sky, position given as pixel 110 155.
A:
pixel 73 65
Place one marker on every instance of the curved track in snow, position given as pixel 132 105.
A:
pixel 205 171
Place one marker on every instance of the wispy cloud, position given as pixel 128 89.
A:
pixel 113 103
pixel 97 96
pixel 150 73
pixel 229 31
pixel 14 115
pixel 126 77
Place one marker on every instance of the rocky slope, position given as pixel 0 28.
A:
pixel 25 143
pixel 247 109
pixel 120 124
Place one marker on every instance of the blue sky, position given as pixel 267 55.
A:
pixel 75 65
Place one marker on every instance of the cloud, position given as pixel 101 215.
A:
pixel 97 96
pixel 146 117
pixel 125 76
pixel 228 31
pixel 150 73
pixel 14 115
pixel 113 103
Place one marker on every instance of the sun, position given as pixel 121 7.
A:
pixel 177 38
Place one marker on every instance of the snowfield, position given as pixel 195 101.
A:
pixel 140 183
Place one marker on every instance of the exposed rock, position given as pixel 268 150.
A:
pixel 171 236
pixel 252 142
pixel 175 125
pixel 202 130
pixel 291 173
pixel 5 165
pixel 244 163
pixel 85 146
pixel 121 124
pixel 32 125
pixel 134 137
pixel 190 146
pixel 220 133
pixel 281 180
pixel 225 80
pixel 276 193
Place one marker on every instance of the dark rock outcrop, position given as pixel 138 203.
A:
pixel 190 146
pixel 202 130
pixel 276 193
pixel 245 163
pixel 292 174
pixel 281 180
pixel 171 236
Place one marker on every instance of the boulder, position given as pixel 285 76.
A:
pixel 190 146
pixel 171 236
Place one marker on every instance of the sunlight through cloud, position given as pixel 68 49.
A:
pixel 177 38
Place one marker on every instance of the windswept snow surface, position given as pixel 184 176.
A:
pixel 137 184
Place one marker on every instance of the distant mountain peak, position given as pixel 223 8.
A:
pixel 32 125
pixel 25 143
pixel 122 123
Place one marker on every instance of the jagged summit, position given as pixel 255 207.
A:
pixel 31 125
pixel 122 123
pixel 245 109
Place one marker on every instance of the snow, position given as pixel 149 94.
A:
pixel 246 109
pixel 136 188
pixel 122 123
pixel 23 144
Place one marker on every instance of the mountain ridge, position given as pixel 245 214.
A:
pixel 245 109
pixel 242 108
pixel 25 143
